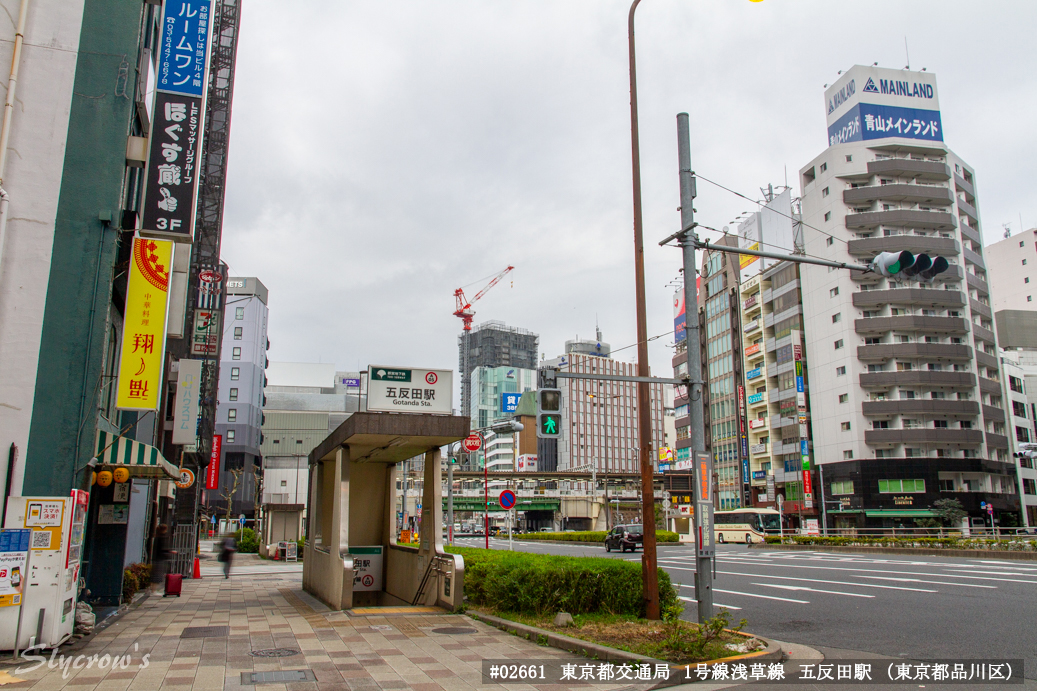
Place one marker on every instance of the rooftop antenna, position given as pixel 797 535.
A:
pixel 908 66
pixel 1008 229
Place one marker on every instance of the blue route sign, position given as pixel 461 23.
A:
pixel 507 499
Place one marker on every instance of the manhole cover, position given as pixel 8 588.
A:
pixel 277 676
pixel 381 627
pixel 453 630
pixel 205 632
pixel 274 652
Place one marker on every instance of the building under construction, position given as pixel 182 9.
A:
pixel 494 344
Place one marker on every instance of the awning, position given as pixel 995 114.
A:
pixel 140 459
pixel 901 513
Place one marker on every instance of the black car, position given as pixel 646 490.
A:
pixel 624 537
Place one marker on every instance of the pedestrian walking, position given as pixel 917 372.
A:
pixel 160 558
pixel 227 554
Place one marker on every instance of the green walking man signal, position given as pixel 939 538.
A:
pixel 549 413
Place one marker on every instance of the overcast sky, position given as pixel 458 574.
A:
pixel 384 154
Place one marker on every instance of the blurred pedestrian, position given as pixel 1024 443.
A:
pixel 227 554
pixel 160 559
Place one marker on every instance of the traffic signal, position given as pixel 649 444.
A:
pixel 549 413
pixel 938 267
pixel 920 267
pixel 892 263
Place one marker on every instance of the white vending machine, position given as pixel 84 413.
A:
pixel 47 611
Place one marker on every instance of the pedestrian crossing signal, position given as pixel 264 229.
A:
pixel 549 426
pixel 549 413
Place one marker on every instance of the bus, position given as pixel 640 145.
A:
pixel 745 525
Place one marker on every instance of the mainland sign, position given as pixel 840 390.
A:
pixel 406 390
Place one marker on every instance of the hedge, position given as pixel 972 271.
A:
pixel 592 536
pixel 909 542
pixel 541 584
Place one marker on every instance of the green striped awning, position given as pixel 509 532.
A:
pixel 140 459
pixel 900 513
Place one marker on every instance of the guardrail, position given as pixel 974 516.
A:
pixel 939 532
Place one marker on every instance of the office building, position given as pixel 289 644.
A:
pixel 494 344
pixel 239 411
pixel 1013 285
pixel 1020 378
pixel 904 376
pixel 495 395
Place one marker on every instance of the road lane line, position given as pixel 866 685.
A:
pixel 715 604
pixel 906 573
pixel 812 590
pixel 919 580
pixel 765 597
pixel 818 580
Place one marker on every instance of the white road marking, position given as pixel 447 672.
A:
pixel 906 573
pixel 919 580
pixel 818 580
pixel 715 604
pixel 781 586
pixel 765 597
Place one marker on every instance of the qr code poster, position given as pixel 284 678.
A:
pixel 41 539
pixel 44 513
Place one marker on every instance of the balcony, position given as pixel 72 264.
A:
pixel 992 414
pixel 985 360
pixel 929 351
pixel 922 406
pixel 983 334
pixel 989 386
pixel 886 380
pixel 751 326
pixel 969 209
pixel 964 186
pixel 902 218
pixel 926 435
pixel 930 170
pixel 917 244
pixel 916 194
pixel 911 323
pixel 978 283
pixel 909 296
pixel 997 441
pixel 970 233
pixel 981 308
pixel 973 258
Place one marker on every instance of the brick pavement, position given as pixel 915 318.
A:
pixel 344 652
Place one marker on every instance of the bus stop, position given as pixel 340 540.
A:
pixel 352 558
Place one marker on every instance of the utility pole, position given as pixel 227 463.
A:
pixel 702 461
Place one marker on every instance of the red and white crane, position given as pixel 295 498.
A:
pixel 467 314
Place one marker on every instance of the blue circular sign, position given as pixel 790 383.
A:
pixel 507 499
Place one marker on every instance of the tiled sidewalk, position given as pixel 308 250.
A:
pixel 355 653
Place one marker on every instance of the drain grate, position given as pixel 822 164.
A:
pixel 274 652
pixel 205 632
pixel 454 630
pixel 277 676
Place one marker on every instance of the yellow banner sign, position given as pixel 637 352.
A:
pixel 745 260
pixel 144 328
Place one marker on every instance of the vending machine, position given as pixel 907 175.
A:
pixel 46 613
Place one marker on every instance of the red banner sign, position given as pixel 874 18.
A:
pixel 212 473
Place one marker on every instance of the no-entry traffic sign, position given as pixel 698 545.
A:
pixel 472 443
pixel 507 499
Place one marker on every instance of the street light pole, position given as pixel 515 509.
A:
pixel 649 559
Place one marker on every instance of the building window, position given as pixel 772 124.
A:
pixel 824 167
pixel 237 333
pixel 298 441
pixel 840 371
pixel 235 373
pixel 845 426
pixel 1024 262
pixel 847 455
pixel 824 192
pixel 230 436
pixel 277 441
pixel 1029 298
pixel 1026 279
pixel 1015 384
pixel 894 486
pixel 232 415
pixel 828 217
pixel 833 292
pixel 837 317
pixel 839 344
pixel 233 394
pixel 940 424
pixel 849 158
pixel 239 312
pixel 843 397
pixel 236 354
pixel 842 487
pixel 1029 486
pixel 1022 434
pixel 880 424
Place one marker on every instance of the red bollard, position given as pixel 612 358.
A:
pixel 197 568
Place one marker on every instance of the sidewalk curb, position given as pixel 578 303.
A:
pixel 772 653
pixel 907 551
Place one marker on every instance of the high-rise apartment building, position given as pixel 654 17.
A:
pixel 905 377
pixel 722 363
pixel 239 411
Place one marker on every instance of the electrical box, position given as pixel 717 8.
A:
pixel 47 612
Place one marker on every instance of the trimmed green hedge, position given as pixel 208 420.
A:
pixel 1009 545
pixel 592 536
pixel 542 583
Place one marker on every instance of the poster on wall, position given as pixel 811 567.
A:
pixel 14 555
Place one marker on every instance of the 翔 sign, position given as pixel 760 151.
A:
pixel 407 390
pixel 876 103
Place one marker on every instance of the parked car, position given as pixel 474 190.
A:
pixel 546 530
pixel 495 530
pixel 624 537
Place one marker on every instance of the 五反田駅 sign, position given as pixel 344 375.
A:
pixel 407 390
pixel 144 325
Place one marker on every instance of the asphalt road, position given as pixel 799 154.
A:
pixel 920 609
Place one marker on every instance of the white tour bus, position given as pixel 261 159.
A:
pixel 745 525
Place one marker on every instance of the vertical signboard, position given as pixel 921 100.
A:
pixel 212 473
pixel 185 412
pixel 14 553
pixel 679 316
pixel 703 477
pixel 205 332
pixel 175 146
pixel 144 325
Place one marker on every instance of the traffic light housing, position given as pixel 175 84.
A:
pixel 549 413
pixel 890 264
pixel 920 267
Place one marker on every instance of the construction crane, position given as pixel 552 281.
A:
pixel 467 314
